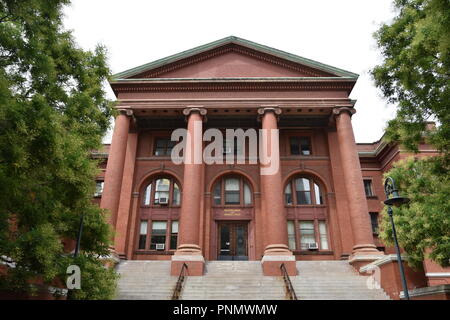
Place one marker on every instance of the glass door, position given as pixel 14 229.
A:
pixel 232 241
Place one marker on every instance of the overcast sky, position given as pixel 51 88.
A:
pixel 338 33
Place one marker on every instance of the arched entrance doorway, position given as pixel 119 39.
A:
pixel 232 207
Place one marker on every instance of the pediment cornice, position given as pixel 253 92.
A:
pixel 292 62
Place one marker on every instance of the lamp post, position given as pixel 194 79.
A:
pixel 393 198
pixel 80 231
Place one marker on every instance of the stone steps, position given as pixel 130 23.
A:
pixel 332 280
pixel 231 280
pixel 243 280
pixel 145 280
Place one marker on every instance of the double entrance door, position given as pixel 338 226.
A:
pixel 233 241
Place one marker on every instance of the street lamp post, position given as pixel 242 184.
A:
pixel 393 198
pixel 80 231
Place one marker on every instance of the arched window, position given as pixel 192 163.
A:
pixel 232 190
pixel 303 191
pixel 162 191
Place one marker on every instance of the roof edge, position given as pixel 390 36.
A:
pixel 236 40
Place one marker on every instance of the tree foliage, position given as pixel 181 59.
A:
pixel 415 76
pixel 423 224
pixel 53 113
pixel 415 71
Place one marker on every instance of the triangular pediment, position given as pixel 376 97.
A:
pixel 233 57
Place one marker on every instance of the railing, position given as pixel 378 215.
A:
pixel 290 292
pixel 179 286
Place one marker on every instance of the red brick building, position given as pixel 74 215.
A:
pixel 322 203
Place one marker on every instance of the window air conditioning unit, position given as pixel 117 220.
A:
pixel 163 200
pixel 160 246
pixel 313 246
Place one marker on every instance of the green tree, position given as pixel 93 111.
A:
pixel 415 71
pixel 53 113
pixel 415 75
pixel 425 222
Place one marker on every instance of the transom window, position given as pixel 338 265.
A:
pixel 300 146
pixel 232 190
pixel 162 191
pixel 163 146
pixel 303 191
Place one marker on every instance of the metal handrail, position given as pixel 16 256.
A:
pixel 290 292
pixel 179 286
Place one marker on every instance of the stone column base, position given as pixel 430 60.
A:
pixel 195 264
pixel 357 261
pixel 271 265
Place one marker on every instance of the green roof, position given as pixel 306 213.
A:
pixel 239 41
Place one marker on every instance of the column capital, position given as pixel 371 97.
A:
pixel 126 111
pixel 337 110
pixel 191 109
pixel 268 108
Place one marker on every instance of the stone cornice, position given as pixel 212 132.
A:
pixel 233 85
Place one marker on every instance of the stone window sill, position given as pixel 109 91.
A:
pixel 313 252
pixel 154 252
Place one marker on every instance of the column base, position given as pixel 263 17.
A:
pixel 191 255
pixel 363 255
pixel 195 265
pixel 274 256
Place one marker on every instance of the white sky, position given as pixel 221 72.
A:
pixel 338 33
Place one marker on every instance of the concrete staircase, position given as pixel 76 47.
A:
pixel 145 280
pixel 332 280
pixel 243 280
pixel 233 280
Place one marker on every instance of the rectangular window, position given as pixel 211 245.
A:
pixel 163 146
pixel 300 146
pixel 158 234
pixel 174 235
pixel 307 234
pixel 291 235
pixel 374 220
pixel 368 187
pixel 142 234
pixel 98 188
pixel 232 191
pixel 323 235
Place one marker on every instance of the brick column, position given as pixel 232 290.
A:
pixel 189 250
pixel 357 202
pixel 277 251
pixel 115 165
pixel 124 209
